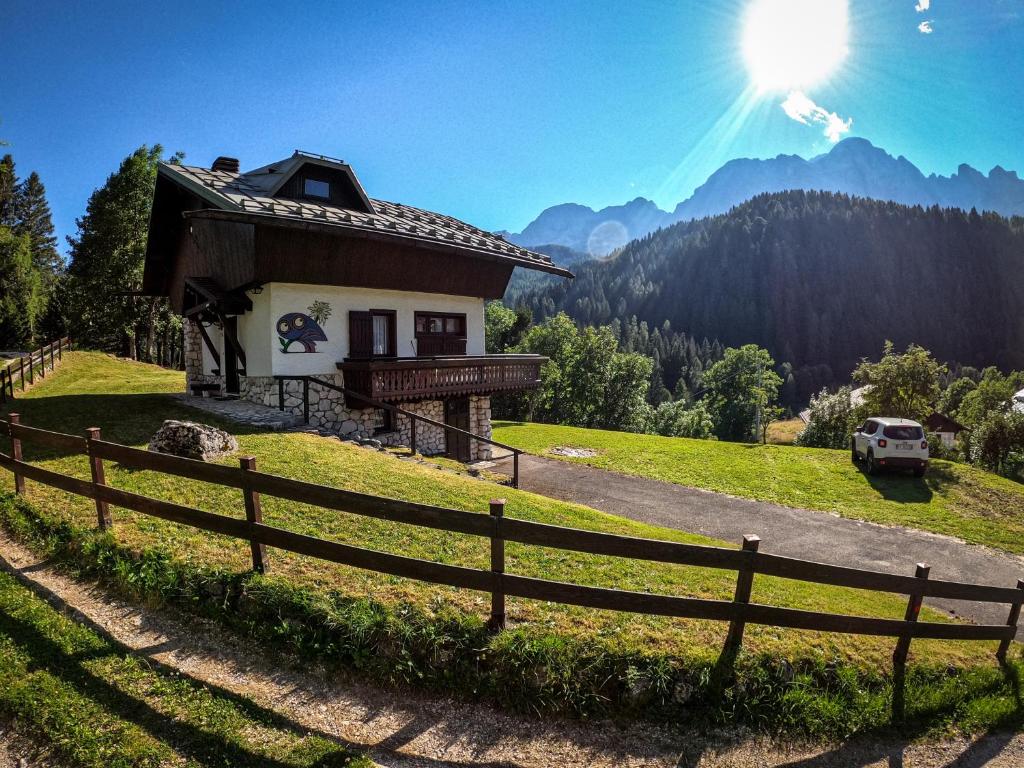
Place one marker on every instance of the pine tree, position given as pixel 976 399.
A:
pixel 8 191
pixel 106 261
pixel 32 218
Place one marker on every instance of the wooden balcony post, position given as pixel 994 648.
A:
pixel 497 566
pixel 19 479
pixel 1011 621
pixel 98 477
pixel 899 656
pixel 253 513
pixel 744 584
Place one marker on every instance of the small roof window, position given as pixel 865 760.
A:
pixel 316 188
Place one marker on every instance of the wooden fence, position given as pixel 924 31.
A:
pixel 746 562
pixel 24 368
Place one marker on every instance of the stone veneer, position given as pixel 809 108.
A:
pixel 328 411
pixel 194 359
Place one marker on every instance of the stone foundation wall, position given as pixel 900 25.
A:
pixel 327 411
pixel 194 359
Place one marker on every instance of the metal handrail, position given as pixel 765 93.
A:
pixel 394 409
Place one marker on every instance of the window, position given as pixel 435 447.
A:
pixel 316 188
pixel 381 335
pixel 903 432
pixel 440 334
pixel 382 421
pixel 372 334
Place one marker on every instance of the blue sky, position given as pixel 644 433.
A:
pixel 492 111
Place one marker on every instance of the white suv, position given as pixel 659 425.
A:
pixel 883 442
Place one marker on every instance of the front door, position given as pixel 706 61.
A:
pixel 456 414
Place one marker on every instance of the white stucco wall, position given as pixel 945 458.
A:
pixel 217 337
pixel 258 333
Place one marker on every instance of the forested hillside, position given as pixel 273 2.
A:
pixel 821 280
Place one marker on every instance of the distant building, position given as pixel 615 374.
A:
pixel 946 428
pixel 1018 401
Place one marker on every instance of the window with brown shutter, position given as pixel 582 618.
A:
pixel 372 334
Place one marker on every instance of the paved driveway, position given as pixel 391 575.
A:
pixel 785 531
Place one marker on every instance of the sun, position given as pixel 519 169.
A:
pixel 794 44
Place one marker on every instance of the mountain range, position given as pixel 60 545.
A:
pixel 853 166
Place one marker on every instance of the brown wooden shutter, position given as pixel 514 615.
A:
pixel 360 334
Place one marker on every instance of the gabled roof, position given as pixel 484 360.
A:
pixel 251 195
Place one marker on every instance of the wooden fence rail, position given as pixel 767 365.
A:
pixel 747 562
pixel 24 368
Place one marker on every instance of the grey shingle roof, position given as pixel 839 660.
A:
pixel 247 194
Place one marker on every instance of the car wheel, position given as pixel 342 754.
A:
pixel 919 471
pixel 853 452
pixel 873 467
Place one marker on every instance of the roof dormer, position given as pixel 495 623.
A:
pixel 313 178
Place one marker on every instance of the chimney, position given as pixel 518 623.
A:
pixel 229 164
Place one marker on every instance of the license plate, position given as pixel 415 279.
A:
pixel 904 446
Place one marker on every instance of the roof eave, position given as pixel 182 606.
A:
pixel 270 219
pixel 202 191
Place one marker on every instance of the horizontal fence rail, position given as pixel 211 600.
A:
pixel 746 562
pixel 24 368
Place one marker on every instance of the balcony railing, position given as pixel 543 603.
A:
pixel 419 378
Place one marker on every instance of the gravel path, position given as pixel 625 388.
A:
pixel 783 530
pixel 404 729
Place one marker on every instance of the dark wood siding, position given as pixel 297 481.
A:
pixel 285 254
pixel 360 334
pixel 222 250
pixel 343 192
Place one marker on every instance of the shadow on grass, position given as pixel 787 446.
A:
pixel 189 740
pixel 130 419
pixel 902 487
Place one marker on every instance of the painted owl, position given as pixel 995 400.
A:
pixel 296 326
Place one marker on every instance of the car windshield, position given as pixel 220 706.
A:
pixel 903 433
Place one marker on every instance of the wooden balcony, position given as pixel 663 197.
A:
pixel 423 378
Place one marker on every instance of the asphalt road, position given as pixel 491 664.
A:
pixel 800 533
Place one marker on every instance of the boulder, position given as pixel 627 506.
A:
pixel 192 440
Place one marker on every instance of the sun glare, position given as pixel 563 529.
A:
pixel 791 44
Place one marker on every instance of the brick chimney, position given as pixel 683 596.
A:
pixel 229 164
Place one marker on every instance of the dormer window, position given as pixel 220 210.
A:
pixel 316 188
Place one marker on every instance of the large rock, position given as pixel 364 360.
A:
pixel 192 440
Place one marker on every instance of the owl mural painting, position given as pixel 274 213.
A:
pixel 305 329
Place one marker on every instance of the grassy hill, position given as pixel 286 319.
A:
pixel 129 401
pixel 952 499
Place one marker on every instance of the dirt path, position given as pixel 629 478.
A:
pixel 783 530
pixel 403 729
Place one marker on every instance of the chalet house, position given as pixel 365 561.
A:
pixel 291 270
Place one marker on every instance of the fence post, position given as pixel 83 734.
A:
pixel 22 371
pixel 19 479
pixel 60 349
pixel 31 372
pixel 98 477
pixel 515 469
pixel 1011 621
pixel 744 583
pixel 497 566
pixel 305 399
pixel 42 363
pixel 51 355
pixel 899 656
pixel 412 435
pixel 253 513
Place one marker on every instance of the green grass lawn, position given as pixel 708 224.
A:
pixel 952 499
pixel 92 704
pixel 127 401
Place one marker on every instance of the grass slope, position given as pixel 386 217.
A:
pixel 126 400
pixel 92 704
pixel 952 499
